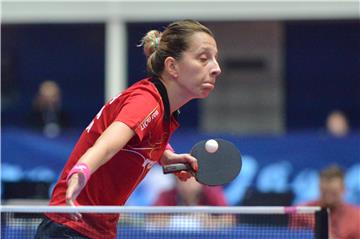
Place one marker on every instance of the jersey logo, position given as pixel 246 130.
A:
pixel 154 114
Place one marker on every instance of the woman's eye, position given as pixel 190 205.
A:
pixel 203 59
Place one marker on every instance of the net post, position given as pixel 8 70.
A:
pixel 322 223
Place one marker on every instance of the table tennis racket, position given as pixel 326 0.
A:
pixel 216 168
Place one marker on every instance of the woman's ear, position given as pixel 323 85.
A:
pixel 170 66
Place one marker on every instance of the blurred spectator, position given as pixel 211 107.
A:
pixel 344 218
pixel 192 193
pixel 149 189
pixel 337 124
pixel 47 113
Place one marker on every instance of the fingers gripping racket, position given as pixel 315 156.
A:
pixel 216 168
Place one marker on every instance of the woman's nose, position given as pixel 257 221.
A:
pixel 216 69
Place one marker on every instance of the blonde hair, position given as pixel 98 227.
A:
pixel 172 42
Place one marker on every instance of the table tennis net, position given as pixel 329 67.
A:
pixel 178 222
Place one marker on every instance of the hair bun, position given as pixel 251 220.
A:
pixel 150 42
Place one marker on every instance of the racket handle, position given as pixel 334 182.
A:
pixel 177 167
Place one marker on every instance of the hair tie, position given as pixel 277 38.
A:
pixel 156 43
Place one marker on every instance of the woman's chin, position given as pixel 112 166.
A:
pixel 205 93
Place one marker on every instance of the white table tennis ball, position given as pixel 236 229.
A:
pixel 211 146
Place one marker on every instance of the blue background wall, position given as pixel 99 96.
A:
pixel 322 72
pixel 270 163
pixel 70 54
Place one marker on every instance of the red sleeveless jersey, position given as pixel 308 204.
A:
pixel 144 107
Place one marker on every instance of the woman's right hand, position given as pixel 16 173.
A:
pixel 75 184
pixel 170 157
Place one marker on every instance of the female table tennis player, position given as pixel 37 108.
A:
pixel 131 132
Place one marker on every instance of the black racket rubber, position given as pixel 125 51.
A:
pixel 216 168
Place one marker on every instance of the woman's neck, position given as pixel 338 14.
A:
pixel 177 97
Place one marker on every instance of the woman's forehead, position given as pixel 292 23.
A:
pixel 201 41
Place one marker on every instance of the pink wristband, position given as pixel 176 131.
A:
pixel 82 168
pixel 168 147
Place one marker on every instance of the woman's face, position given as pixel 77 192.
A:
pixel 198 67
pixel 332 191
